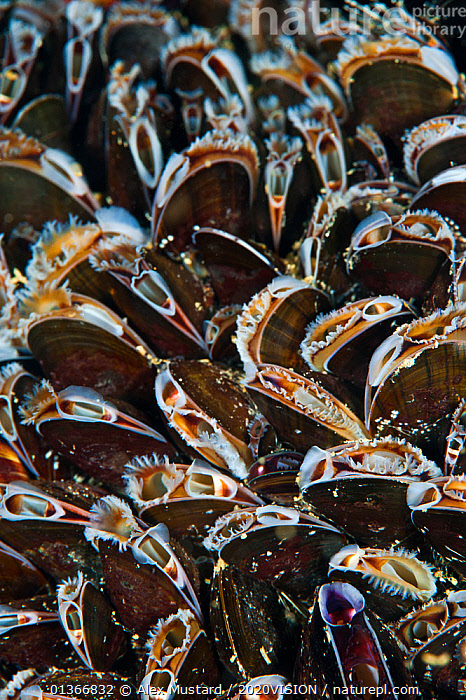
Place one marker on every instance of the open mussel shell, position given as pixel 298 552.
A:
pixel 342 647
pixel 212 183
pixel 434 146
pixel 392 581
pixel 16 383
pixel 20 577
pixel 179 655
pixel 400 255
pixel 101 437
pixel 272 325
pixel 145 579
pixel 238 269
pixel 165 302
pixel 362 488
pixel 303 408
pixel 205 407
pixel 187 499
pixel 416 377
pixel 89 340
pixel 219 333
pixel 88 620
pixel 440 663
pixel 24 624
pixel 254 628
pixel 322 248
pixel 273 476
pixel 394 83
pixel 45 526
pixel 444 193
pixel 45 184
pixel 282 546
pixel 420 625
pixel 342 342
pixel 438 511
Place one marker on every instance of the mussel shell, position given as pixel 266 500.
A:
pixel 371 509
pixel 252 632
pixel 24 645
pixel 328 667
pixel 213 391
pixel 444 193
pixel 238 269
pixel 293 426
pixel 438 157
pixel 127 191
pixel 443 529
pixel 141 594
pixel 20 578
pixel 44 118
pixel 423 394
pixel 217 196
pixel 103 638
pixel 274 476
pixel 440 662
pixel 102 684
pixel 102 449
pixel 189 515
pixel 28 196
pixel 293 558
pixel 68 348
pixel 397 267
pixel 59 549
pixel 394 95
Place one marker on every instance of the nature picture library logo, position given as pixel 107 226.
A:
pixel 438 20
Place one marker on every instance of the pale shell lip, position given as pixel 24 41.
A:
pixel 419 491
pixel 347 593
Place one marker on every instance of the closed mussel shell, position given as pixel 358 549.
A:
pixel 101 685
pixel 88 340
pixel 20 578
pixel 254 629
pixel 238 268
